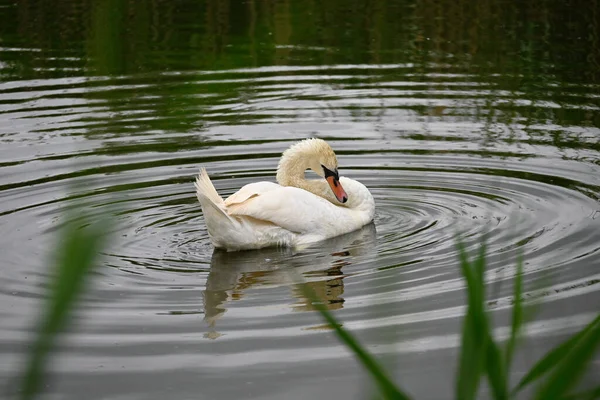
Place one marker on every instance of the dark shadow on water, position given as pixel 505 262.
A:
pixel 233 273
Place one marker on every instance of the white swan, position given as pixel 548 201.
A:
pixel 295 212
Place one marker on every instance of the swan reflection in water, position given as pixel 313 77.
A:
pixel 232 273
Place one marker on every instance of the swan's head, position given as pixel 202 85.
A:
pixel 318 156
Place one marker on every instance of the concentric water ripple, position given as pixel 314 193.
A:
pixel 437 160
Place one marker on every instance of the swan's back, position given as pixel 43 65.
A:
pixel 265 214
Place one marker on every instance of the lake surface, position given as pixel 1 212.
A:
pixel 461 117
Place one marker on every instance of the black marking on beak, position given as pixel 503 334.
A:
pixel 329 173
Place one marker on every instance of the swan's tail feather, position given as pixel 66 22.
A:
pixel 207 194
pixel 224 230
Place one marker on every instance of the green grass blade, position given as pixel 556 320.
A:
pixel 494 364
pixel 75 256
pixel 495 370
pixel 573 365
pixel 470 362
pixel 587 395
pixel 385 384
pixel 517 314
pixel 479 267
pixel 553 357
pixel 472 353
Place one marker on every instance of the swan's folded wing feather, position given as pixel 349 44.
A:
pixel 291 208
pixel 250 190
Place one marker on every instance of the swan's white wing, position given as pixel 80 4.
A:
pixel 289 207
pixel 250 190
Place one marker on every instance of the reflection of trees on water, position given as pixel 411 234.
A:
pixel 232 274
pixel 500 63
pixel 516 37
pixel 530 39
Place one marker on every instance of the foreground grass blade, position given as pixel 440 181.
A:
pixel 386 386
pixel 587 395
pixel 474 337
pixel 517 314
pixel 553 357
pixel 75 256
pixel 494 364
pixel 495 370
pixel 571 368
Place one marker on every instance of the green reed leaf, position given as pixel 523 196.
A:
pixel 587 395
pixel 495 370
pixel 474 337
pixel 388 389
pixel 568 372
pixel 76 254
pixel 479 267
pixel 553 358
pixel 517 314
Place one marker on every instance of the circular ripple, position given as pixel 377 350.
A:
pixel 168 299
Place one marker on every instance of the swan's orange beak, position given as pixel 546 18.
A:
pixel 337 189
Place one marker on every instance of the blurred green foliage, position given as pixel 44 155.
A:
pixel 481 355
pixel 77 251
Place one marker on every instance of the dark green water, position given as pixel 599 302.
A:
pixel 458 115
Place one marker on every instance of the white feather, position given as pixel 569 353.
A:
pixel 266 214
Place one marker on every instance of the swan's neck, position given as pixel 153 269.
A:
pixel 291 172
